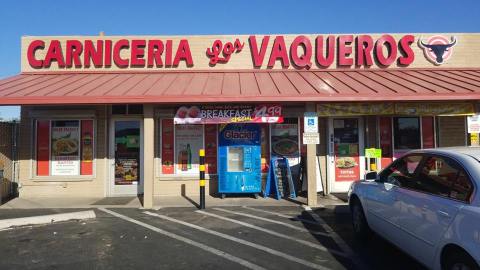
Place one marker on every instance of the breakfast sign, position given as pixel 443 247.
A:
pixel 300 52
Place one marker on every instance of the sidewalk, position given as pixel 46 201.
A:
pixel 159 202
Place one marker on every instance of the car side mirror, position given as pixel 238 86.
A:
pixel 371 176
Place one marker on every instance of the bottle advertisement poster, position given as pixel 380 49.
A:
pixel 65 150
pixel 167 147
pixel 188 142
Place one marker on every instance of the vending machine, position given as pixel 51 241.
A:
pixel 239 159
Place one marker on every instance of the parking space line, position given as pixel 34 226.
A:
pixel 284 216
pixel 272 221
pixel 215 251
pixel 303 242
pixel 241 241
pixel 338 240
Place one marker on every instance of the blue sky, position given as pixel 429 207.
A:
pixel 18 18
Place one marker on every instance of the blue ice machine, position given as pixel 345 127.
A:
pixel 239 161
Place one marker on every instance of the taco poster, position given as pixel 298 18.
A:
pixel 65 148
pixel 347 162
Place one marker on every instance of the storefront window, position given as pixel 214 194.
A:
pixel 406 132
pixel 64 147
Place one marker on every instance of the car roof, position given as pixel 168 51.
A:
pixel 472 151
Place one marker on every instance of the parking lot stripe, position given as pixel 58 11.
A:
pixel 338 240
pixel 215 251
pixel 241 241
pixel 272 221
pixel 303 242
pixel 282 215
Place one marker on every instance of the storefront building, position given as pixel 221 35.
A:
pixel 116 116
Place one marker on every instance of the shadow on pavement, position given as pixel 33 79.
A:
pixel 375 253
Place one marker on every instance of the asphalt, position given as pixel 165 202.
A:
pixel 256 237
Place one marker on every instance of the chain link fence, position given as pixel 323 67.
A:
pixel 8 160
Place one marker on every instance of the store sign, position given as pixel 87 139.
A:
pixel 221 114
pixel 70 53
pixel 441 109
pixel 473 123
pixel 352 109
pixel 386 108
pixel 65 150
pixel 373 153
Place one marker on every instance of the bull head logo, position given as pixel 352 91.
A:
pixel 437 49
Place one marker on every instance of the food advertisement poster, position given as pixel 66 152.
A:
pixel 168 164
pixel 127 153
pixel 65 150
pixel 86 165
pixel 188 142
pixel 43 148
pixel 222 114
pixel 284 139
pixel 211 148
pixel 347 162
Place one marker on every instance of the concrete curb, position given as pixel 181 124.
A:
pixel 46 219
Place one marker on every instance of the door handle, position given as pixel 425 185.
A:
pixel 443 214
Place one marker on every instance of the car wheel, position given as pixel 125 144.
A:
pixel 360 226
pixel 460 261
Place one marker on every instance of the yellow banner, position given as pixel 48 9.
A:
pixel 442 109
pixel 350 109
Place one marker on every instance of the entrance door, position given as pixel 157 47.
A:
pixel 346 162
pixel 126 153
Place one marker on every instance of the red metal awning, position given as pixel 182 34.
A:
pixel 241 86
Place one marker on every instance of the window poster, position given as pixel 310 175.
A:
pixel 168 166
pixel 65 144
pixel 211 148
pixel 86 166
pixel 284 139
pixel 188 142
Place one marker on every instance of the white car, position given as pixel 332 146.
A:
pixel 427 203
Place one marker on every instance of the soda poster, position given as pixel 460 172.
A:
pixel 188 142
pixel 65 158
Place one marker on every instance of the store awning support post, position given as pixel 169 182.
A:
pixel 311 166
pixel 148 156
pixel 202 178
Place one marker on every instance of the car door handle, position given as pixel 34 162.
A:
pixel 443 214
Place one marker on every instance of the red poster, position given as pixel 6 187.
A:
pixel 303 147
pixel 167 147
pixel 86 165
pixel 43 148
pixel 265 148
pixel 428 137
pixel 211 148
pixel 385 128
pixel 347 162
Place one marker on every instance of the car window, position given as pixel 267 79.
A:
pixel 402 172
pixel 444 177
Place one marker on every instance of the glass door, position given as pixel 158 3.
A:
pixel 126 152
pixel 346 153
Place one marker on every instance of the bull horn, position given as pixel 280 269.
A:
pixel 423 44
pixel 454 41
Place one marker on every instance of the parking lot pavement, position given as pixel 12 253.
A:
pixel 252 237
